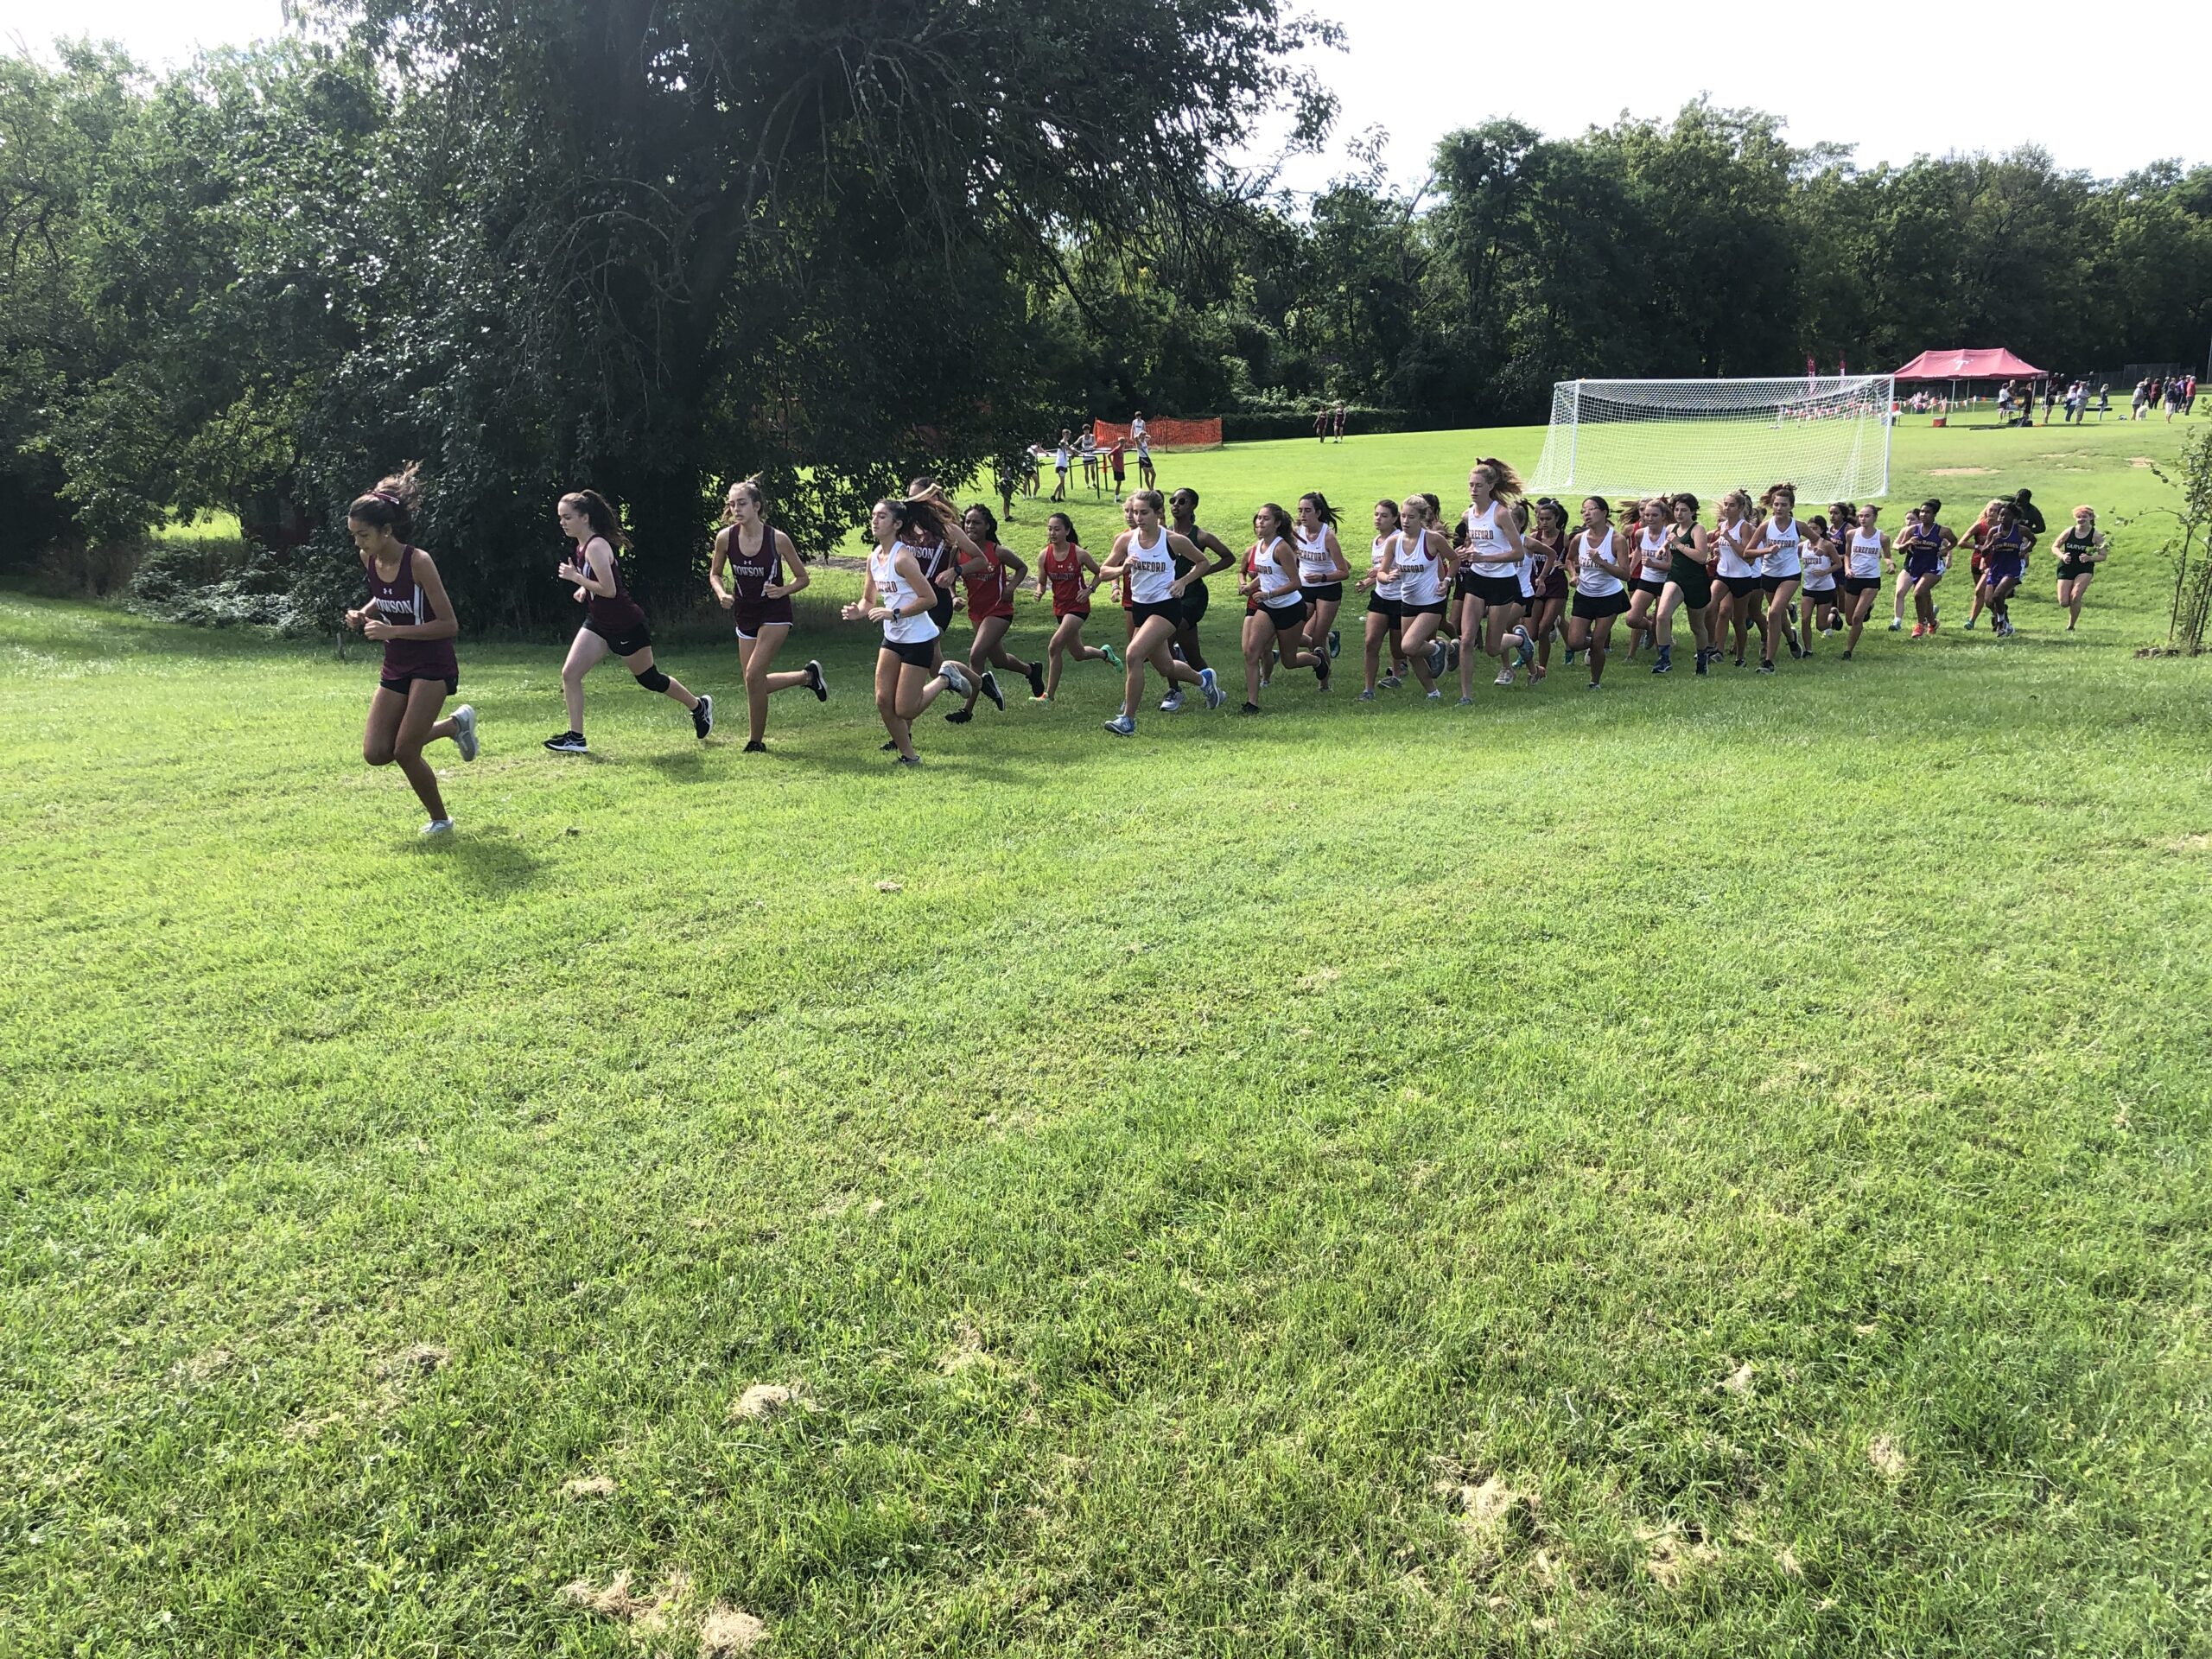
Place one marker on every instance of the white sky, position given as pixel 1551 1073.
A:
pixel 2102 91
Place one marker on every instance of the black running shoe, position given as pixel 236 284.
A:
pixel 1703 662
pixel 702 716
pixel 1250 708
pixel 816 684
pixel 1321 668
pixel 1766 664
pixel 990 683
pixel 1037 679
pixel 755 746
pixel 1665 664
pixel 568 743
pixel 890 746
pixel 908 759
pixel 960 716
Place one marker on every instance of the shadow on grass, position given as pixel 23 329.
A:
pixel 488 858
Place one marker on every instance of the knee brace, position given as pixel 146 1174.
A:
pixel 653 680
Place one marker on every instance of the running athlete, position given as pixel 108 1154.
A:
pixel 1923 567
pixel 1865 554
pixel 1413 562
pixel 1488 584
pixel 613 623
pixel 1779 542
pixel 1548 580
pixel 1183 506
pixel 1321 569
pixel 991 574
pixel 1977 540
pixel 1600 586
pixel 1816 599
pixel 1738 572
pixel 1687 586
pixel 908 674
pixel 1279 608
pixel 1651 542
pixel 1145 553
pixel 764 573
pixel 1381 629
pixel 2079 551
pixel 2005 553
pixel 409 612
pixel 1073 576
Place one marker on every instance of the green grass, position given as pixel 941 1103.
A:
pixel 1286 1187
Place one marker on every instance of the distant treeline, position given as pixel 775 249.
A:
pixel 649 250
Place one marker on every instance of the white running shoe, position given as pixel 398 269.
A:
pixel 436 827
pixel 1122 726
pixel 464 733
pixel 1505 677
pixel 1211 688
pixel 958 678
pixel 1172 701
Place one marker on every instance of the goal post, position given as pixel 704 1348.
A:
pixel 1829 434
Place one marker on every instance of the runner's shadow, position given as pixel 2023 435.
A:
pixel 488 858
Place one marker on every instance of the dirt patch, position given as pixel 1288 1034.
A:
pixel 309 1425
pixel 200 1367
pixel 727 1631
pixel 1670 1555
pixel 588 1486
pixel 759 1402
pixel 2141 461
pixel 421 1360
pixel 1786 1559
pixel 890 886
pixel 648 1617
pixel 1319 977
pixel 1743 1380
pixel 967 1353
pixel 612 1601
pixel 2178 844
pixel 1888 1459
pixel 1960 472
pixel 1491 1515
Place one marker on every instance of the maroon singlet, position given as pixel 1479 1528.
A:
pixel 611 615
pixel 748 574
pixel 402 600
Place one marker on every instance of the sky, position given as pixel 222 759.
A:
pixel 2029 73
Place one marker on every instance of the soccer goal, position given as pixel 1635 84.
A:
pixel 1828 435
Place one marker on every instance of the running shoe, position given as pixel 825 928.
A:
pixel 1210 688
pixel 959 716
pixel 1525 654
pixel 1392 683
pixel 702 716
pixel 1847 655
pixel 464 731
pixel 1465 703
pixel 1321 668
pixel 1665 664
pixel 1766 664
pixel 1435 695
pixel 755 746
pixel 1572 653
pixel 959 679
pixel 991 690
pixel 1173 701
pixel 1122 726
pixel 568 743
pixel 436 827
pixel 908 759
pixel 1896 623
pixel 1505 677
pixel 1452 656
pixel 1970 622
pixel 815 682
pixel 889 745
pixel 1367 696
pixel 1250 708
pixel 1594 685
pixel 1704 663
pixel 1036 679
pixel 1113 657
pixel 1336 641
pixel 1919 630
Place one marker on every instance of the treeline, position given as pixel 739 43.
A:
pixel 651 249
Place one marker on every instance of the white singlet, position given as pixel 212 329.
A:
pixel 1782 550
pixel 1731 544
pixel 1269 567
pixel 1652 555
pixel 1819 567
pixel 1386 587
pixel 1315 567
pixel 1152 572
pixel 1590 580
pixel 1864 559
pixel 1420 580
pixel 1485 553
pixel 896 592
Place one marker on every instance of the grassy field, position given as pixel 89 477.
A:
pixel 1716 1167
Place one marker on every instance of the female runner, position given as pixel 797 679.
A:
pixel 1923 569
pixel 2079 551
pixel 409 612
pixel 1382 626
pixel 1321 569
pixel 1739 574
pixel 1863 557
pixel 1778 543
pixel 764 573
pixel 1183 506
pixel 1489 579
pixel 1413 562
pixel 1279 608
pixel 991 575
pixel 1145 553
pixel 1816 599
pixel 1600 586
pixel 908 675
pixel 613 624
pixel 1064 567
pixel 1652 542
pixel 2005 553
pixel 1688 588
pixel 1549 579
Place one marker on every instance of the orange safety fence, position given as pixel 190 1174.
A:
pixel 1163 434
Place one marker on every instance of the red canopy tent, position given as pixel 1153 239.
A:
pixel 1988 363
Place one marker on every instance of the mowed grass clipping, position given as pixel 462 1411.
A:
pixel 1716 1166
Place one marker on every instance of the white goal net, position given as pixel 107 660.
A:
pixel 1828 435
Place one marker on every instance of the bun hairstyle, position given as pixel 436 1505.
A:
pixel 1435 507
pixel 1740 498
pixel 1322 510
pixel 1273 514
pixel 1504 480
pixel 747 486
pixel 1518 506
pixel 1157 501
pixel 391 503
pixel 990 521
pixel 1776 491
pixel 591 506
pixel 1930 507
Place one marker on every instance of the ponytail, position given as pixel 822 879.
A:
pixel 392 502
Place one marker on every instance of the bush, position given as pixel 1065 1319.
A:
pixel 217 584
pixel 1258 425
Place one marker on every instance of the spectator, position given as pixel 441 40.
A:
pixel 2173 400
pixel 2142 396
pixel 2104 399
pixel 2049 399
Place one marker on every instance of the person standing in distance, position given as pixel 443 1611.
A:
pixel 408 612
pixel 613 623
